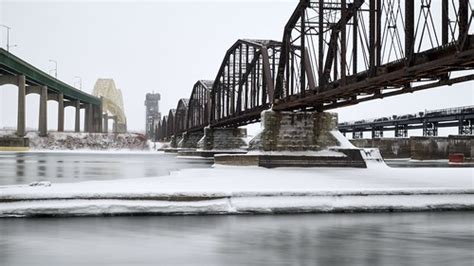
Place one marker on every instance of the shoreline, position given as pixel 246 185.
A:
pixel 250 190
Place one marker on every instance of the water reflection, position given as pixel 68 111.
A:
pixel 23 168
pixel 20 168
pixel 327 239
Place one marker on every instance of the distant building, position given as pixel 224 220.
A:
pixel 153 115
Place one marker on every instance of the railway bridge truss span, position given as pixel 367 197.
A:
pixel 337 53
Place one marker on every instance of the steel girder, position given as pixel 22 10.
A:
pixel 336 53
pixel 199 105
pixel 354 51
pixel 244 84
pixel 162 128
pixel 171 123
pixel 428 121
pixel 181 116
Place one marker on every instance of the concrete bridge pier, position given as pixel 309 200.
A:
pixel 88 118
pixel 302 139
pixel 105 122
pixel 175 139
pixel 98 117
pixel 20 126
pixel 296 131
pixel 77 121
pixel 223 139
pixel 95 119
pixel 43 112
pixel 60 112
pixel 190 140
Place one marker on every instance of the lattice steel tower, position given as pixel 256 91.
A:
pixel 153 115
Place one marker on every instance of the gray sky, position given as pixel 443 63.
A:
pixel 158 46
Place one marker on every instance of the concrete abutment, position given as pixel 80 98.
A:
pixel 223 139
pixel 190 140
pixel 298 139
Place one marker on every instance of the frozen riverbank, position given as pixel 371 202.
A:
pixel 235 190
pixel 82 141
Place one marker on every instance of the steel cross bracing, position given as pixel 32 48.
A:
pixel 339 53
pixel 358 50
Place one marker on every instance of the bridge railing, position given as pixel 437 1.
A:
pixel 14 65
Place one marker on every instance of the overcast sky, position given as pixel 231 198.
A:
pixel 158 46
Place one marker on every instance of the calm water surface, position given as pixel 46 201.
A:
pixel 61 167
pixel 319 239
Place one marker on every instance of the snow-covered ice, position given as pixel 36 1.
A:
pixel 227 189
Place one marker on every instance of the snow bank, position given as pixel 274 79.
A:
pixel 232 190
pixel 91 141
pixel 343 141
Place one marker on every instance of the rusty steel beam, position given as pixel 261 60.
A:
pixel 311 67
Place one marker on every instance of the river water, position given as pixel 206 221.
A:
pixel 317 239
pixel 65 167
pixel 438 238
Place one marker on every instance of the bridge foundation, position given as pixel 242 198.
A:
pixel 296 131
pixel 105 122
pixel 20 126
pixel 60 112
pixel 88 118
pixel 223 139
pixel 43 112
pixel 302 139
pixel 77 121
pixel 175 139
pixel 190 140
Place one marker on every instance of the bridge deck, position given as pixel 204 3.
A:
pixel 13 65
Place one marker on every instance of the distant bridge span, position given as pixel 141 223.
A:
pixel 334 54
pixel 29 79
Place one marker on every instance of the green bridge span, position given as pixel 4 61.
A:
pixel 29 79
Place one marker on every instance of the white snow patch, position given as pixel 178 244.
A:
pixel 40 184
pixel 330 153
pixel 231 189
pixel 343 141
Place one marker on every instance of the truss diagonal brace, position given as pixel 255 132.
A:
pixel 335 31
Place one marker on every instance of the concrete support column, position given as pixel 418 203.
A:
pixel 77 124
pixel 43 112
pixel 189 140
pixel 223 139
pixel 90 119
pixel 175 140
pixel 114 125
pixel 299 139
pixel 20 126
pixel 93 122
pixel 86 117
pixel 297 131
pixel 99 115
pixel 97 119
pixel 106 123
pixel 60 112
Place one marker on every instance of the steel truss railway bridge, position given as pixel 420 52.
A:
pixel 429 121
pixel 333 54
